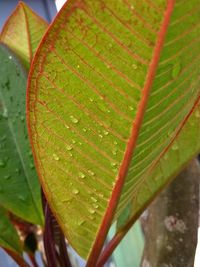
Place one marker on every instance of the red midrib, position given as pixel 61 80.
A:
pixel 112 205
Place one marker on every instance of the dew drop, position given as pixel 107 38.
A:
pixel 17 171
pixel 93 199
pixel 197 114
pixel 134 66
pixel 85 130
pixel 78 66
pixel 100 136
pixel 114 152
pixel 91 99
pixel 73 142
pixel 3 138
pixel 73 119
pixel 5 113
pixel 105 132
pixel 113 164
pixel 56 157
pixel 175 146
pixel 81 175
pixel 95 205
pixel 22 198
pixel 115 142
pixel 7 177
pixel 31 165
pixel 69 148
pixel 131 108
pixel 75 191
pixel 91 211
pixel 22 118
pixel 10 57
pixel 176 69
pixel 2 163
pixel 91 172
pixel 81 222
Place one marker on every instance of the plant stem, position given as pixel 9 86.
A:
pixel 17 258
pixel 53 236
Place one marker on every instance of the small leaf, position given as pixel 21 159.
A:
pixel 126 68
pixel 9 238
pixel 19 187
pixel 23 31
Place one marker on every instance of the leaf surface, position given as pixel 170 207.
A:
pixel 110 92
pixel 19 186
pixel 23 31
pixel 9 238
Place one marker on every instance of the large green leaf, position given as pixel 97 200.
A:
pixel 9 238
pixel 23 31
pixel 110 92
pixel 19 187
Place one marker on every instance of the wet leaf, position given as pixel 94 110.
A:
pixel 116 81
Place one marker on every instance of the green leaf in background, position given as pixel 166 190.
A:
pixel 23 31
pixel 9 238
pixel 111 89
pixel 19 186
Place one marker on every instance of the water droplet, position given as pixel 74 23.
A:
pixel 2 163
pixel 69 148
pixel 31 165
pixel 3 137
pixel 5 113
pixel 134 66
pixel 73 142
pixel 56 157
pixel 81 175
pixel 17 171
pixel 81 222
pixel 176 69
pixel 22 118
pixel 175 146
pixel 7 177
pixel 75 191
pixel 73 119
pixel 91 172
pixel 95 205
pixel 114 152
pixel 113 164
pixel 197 114
pixel 91 99
pixel 66 126
pixel 85 130
pixel 22 198
pixel 115 142
pixel 91 211
pixel 100 136
pixel 10 57
pixel 105 132
pixel 78 66
pixel 93 199
pixel 131 108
